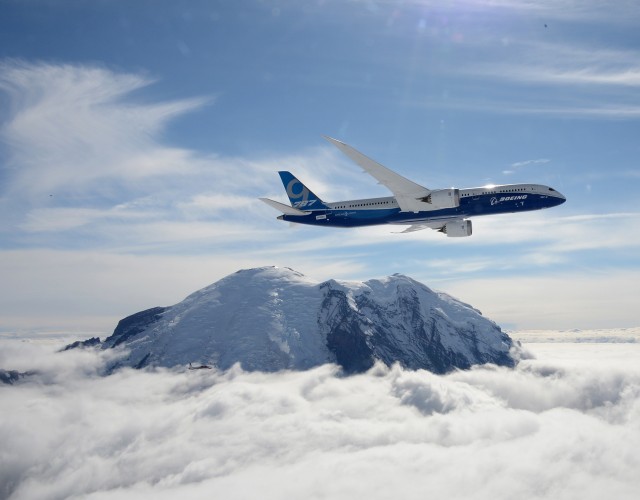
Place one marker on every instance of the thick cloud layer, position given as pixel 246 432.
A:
pixel 556 427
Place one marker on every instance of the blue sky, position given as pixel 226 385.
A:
pixel 135 138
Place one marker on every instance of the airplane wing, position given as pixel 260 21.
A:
pixel 459 226
pixel 415 227
pixel 433 224
pixel 285 209
pixel 406 192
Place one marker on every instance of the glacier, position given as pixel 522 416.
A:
pixel 272 319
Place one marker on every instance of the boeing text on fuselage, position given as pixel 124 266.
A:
pixel 445 210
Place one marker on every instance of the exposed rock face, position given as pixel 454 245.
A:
pixel 82 344
pixel 132 325
pixel 272 319
pixel 10 377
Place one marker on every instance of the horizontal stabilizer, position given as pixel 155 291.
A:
pixel 285 209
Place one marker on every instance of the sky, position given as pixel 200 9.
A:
pixel 563 426
pixel 136 137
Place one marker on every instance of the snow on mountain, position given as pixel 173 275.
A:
pixel 276 318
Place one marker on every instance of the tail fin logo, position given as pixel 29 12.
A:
pixel 300 196
pixel 300 193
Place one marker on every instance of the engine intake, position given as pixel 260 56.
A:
pixel 443 198
pixel 457 228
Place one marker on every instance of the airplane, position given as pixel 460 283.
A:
pixel 444 210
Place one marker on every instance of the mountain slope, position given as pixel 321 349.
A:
pixel 275 318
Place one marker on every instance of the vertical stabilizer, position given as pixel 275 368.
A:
pixel 301 196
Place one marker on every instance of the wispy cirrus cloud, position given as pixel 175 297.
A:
pixel 562 65
pixel 72 127
pixel 526 163
pixel 577 11
pixel 62 219
pixel 565 11
pixel 522 164
pixel 86 162
pixel 555 77
pixel 581 108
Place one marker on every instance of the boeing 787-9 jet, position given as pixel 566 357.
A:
pixel 445 210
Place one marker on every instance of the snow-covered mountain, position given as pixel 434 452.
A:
pixel 275 318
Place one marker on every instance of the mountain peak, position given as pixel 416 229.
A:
pixel 272 318
pixel 268 270
pixel 267 273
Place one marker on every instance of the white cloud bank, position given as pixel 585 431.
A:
pixel 550 429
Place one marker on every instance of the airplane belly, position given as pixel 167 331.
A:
pixel 355 218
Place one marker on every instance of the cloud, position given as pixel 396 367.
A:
pixel 87 167
pixel 152 261
pixel 564 65
pixel 576 11
pixel 581 109
pixel 584 80
pixel 79 147
pixel 549 233
pixel 550 429
pixel 602 335
pixel 71 127
pixel 91 290
pixel 565 299
pixel 522 164
pixel 217 202
pixel 166 221
pixel 61 219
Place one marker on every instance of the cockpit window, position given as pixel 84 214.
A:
pixel 551 189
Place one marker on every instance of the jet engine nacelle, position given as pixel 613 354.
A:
pixel 457 228
pixel 443 198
